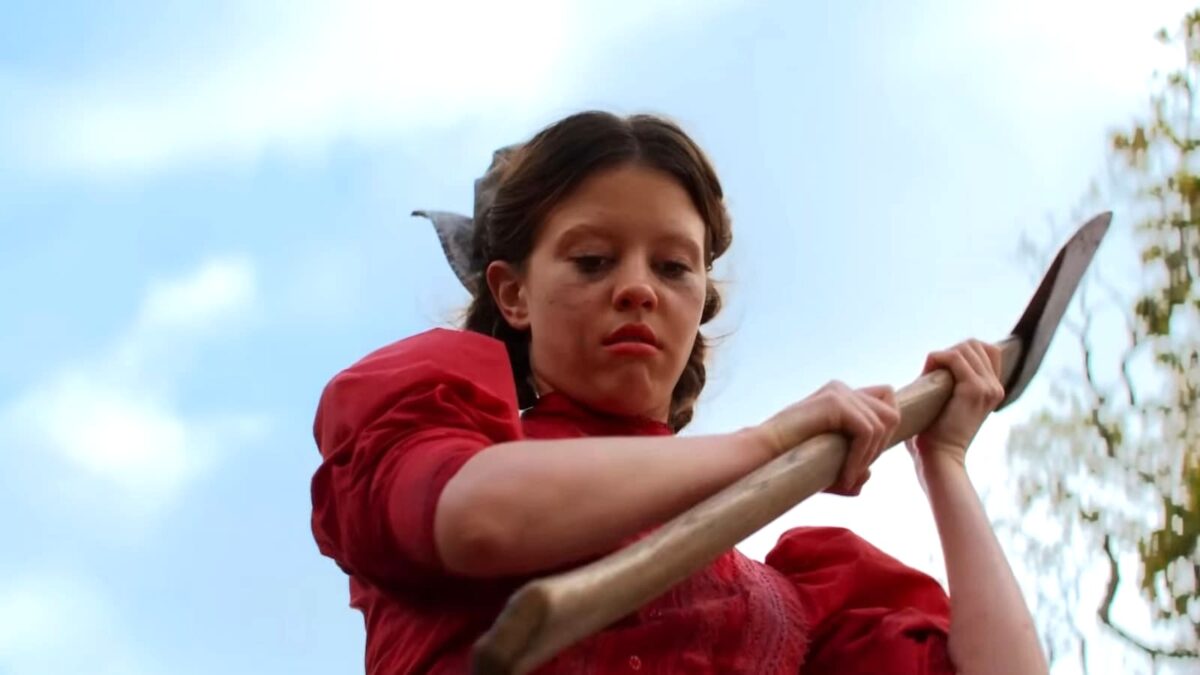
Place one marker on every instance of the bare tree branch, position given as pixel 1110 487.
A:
pixel 1104 611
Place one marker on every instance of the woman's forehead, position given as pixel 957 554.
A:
pixel 627 200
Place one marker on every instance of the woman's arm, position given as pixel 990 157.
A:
pixel 991 630
pixel 526 506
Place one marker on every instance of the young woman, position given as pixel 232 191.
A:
pixel 459 464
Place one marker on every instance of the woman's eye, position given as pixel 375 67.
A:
pixel 673 269
pixel 591 264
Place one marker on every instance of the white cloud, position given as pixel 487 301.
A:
pixel 114 418
pixel 114 433
pixel 176 314
pixel 359 69
pixel 57 624
pixel 221 287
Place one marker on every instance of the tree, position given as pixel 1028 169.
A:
pixel 1110 467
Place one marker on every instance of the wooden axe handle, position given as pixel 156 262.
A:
pixel 549 614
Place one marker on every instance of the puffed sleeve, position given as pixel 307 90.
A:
pixel 867 612
pixel 392 430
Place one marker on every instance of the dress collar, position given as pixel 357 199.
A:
pixel 592 422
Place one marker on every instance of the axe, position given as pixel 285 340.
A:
pixel 549 614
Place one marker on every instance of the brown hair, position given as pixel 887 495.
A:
pixel 544 171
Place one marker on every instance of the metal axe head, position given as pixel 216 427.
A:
pixel 1045 311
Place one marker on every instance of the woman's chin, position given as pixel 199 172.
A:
pixel 624 394
pixel 632 404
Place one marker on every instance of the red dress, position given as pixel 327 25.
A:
pixel 393 429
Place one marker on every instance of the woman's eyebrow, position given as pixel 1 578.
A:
pixel 582 230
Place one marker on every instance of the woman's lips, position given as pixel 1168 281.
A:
pixel 633 340
pixel 632 332
pixel 632 349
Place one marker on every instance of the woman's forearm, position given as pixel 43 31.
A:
pixel 991 630
pixel 527 506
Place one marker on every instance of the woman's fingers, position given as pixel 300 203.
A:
pixel 955 360
pixel 858 425
pixel 975 366
pixel 981 385
pixel 874 424
pixel 843 413
pixel 886 410
pixel 882 402
pixel 868 417
pixel 990 373
pixel 948 359
pixel 864 440
pixel 882 399
pixel 855 489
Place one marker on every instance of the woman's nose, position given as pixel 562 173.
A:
pixel 635 289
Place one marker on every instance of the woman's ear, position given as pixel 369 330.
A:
pixel 508 289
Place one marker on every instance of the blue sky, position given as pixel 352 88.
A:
pixel 203 211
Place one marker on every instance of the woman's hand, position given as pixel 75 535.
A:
pixel 991 630
pixel 868 417
pixel 975 366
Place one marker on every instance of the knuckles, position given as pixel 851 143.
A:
pixel 835 387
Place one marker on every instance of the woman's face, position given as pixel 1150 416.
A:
pixel 612 292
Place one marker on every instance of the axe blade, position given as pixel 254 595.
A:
pixel 1045 311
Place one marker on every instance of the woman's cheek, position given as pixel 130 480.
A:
pixel 697 292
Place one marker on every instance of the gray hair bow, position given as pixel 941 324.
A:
pixel 457 232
